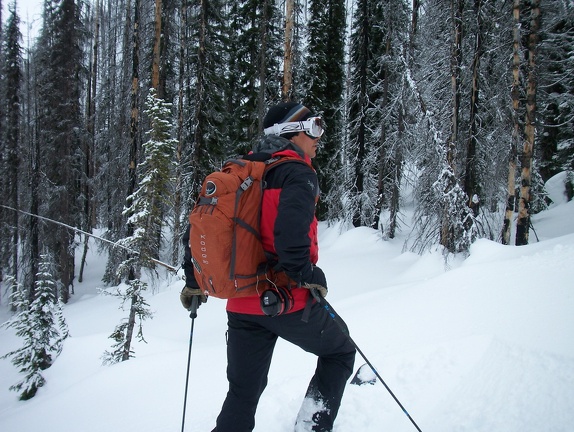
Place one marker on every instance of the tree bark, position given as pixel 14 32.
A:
pixel 177 199
pixel 455 62
pixel 288 56
pixel 262 64
pixel 470 180
pixel 413 33
pixel 134 121
pixel 89 209
pixel 515 93
pixel 155 75
pixel 523 221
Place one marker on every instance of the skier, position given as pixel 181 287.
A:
pixel 289 236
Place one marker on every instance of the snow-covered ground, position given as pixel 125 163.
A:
pixel 486 345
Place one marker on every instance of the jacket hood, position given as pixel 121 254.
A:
pixel 274 143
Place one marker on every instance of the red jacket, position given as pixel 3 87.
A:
pixel 288 227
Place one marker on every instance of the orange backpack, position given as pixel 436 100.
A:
pixel 227 253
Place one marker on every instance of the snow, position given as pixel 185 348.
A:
pixel 483 344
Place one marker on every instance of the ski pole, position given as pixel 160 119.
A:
pixel 192 315
pixel 338 320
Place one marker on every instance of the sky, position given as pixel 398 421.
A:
pixel 485 344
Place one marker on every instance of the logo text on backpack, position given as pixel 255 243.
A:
pixel 203 249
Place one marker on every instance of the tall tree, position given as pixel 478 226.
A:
pixel 253 79
pixel 455 215
pixel 115 113
pixel 442 214
pixel 12 86
pixel 516 133
pixel 179 209
pixel 286 90
pixel 155 180
pixel 155 71
pixel 359 105
pixel 90 142
pixel 389 113
pixel 144 217
pixel 62 129
pixel 471 185
pixel 523 221
pixel 3 215
pixel 326 78
pixel 555 92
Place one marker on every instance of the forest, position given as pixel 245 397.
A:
pixel 111 117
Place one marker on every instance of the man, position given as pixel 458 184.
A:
pixel 289 235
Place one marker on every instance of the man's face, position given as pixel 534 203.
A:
pixel 306 143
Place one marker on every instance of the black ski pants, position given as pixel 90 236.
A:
pixel 250 343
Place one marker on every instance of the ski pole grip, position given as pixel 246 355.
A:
pixel 193 308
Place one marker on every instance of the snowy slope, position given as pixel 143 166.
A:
pixel 487 345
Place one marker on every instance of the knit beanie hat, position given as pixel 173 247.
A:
pixel 286 112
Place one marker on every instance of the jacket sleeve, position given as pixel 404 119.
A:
pixel 295 214
pixel 187 265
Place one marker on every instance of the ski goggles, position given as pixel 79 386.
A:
pixel 313 127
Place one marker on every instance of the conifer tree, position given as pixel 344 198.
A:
pixel 131 293
pixel 556 89
pixel 254 74
pixel 324 94
pixel 42 326
pixel 144 212
pixel 154 191
pixel 10 140
pixel 208 126
pixel 366 122
pixel 26 359
pixel 442 215
pixel 180 209
pixel 119 142
pixel 59 61
pixel 3 215
pixel 390 111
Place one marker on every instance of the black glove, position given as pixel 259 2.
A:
pixel 187 294
pixel 318 281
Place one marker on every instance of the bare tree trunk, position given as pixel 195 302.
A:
pixel 394 203
pixel 455 61
pixel 288 57
pixel 470 180
pixel 414 24
pixel 523 221
pixel 362 102
pixel 177 199
pixel 382 174
pixel 34 184
pixel 1 122
pixel 157 50
pixel 134 120
pixel 90 207
pixel 199 102
pixel 130 330
pixel 509 213
pixel 262 63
